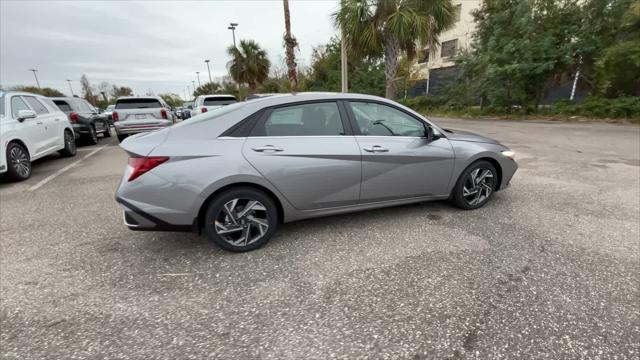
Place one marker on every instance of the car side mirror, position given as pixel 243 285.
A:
pixel 26 114
pixel 430 134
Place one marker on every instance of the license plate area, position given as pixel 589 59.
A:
pixel 141 116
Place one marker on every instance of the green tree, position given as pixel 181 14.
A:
pixel 618 69
pixel 173 100
pixel 45 91
pixel 249 64
pixel 207 89
pixel 365 75
pixel 389 28
pixel 117 91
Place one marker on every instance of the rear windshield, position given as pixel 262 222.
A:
pixel 137 104
pixel 63 105
pixel 219 100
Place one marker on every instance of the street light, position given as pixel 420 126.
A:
pixel 36 76
pixel 232 27
pixel 70 88
pixel 198 75
pixel 209 70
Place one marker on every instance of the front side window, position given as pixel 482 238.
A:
pixel 381 120
pixel 36 105
pixel 317 119
pixel 18 104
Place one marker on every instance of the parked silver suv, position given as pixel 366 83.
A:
pixel 137 114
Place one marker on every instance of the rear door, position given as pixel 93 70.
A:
pixel 398 161
pixel 49 121
pixel 308 153
pixel 139 111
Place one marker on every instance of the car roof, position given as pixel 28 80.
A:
pixel 218 95
pixel 278 99
pixel 139 97
pixel 13 92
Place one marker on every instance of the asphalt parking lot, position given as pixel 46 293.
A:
pixel 548 269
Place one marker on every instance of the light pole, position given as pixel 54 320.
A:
pixel 232 27
pixel 35 76
pixel 209 70
pixel 70 88
pixel 194 85
pixel 198 75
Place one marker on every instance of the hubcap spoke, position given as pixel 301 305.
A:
pixel 478 186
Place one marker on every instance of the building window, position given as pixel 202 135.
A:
pixel 423 57
pixel 449 48
pixel 456 12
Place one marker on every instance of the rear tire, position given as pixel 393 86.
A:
pixel 241 219
pixel 18 162
pixel 107 130
pixel 69 144
pixel 92 137
pixel 475 186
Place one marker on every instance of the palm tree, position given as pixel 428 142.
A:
pixel 249 64
pixel 374 28
pixel 290 44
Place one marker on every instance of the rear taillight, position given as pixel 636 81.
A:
pixel 141 165
pixel 163 113
pixel 203 110
pixel 73 117
pixel 115 116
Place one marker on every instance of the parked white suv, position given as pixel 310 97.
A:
pixel 31 126
pixel 204 103
pixel 136 114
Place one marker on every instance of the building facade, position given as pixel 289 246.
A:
pixel 433 65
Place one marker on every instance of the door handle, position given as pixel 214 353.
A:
pixel 57 119
pixel 266 148
pixel 376 148
pixel 39 123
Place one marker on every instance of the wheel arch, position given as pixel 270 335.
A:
pixel 200 219
pixel 492 161
pixel 19 142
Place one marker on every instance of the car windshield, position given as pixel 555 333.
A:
pixel 137 104
pixel 110 108
pixel 219 100
pixel 210 115
pixel 1 103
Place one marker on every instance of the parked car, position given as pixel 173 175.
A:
pixel 187 107
pixel 85 119
pixel 31 126
pixel 204 103
pixel 136 114
pixel 240 171
pixel 108 111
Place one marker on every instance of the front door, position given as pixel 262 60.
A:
pixel 306 153
pixel 398 161
pixel 31 130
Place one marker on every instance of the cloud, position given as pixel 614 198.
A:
pixel 145 44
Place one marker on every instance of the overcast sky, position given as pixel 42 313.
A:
pixel 157 45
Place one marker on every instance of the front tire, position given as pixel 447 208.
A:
pixel 241 219
pixel 69 144
pixel 18 162
pixel 107 130
pixel 476 185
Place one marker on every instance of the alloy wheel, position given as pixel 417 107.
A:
pixel 20 161
pixel 478 186
pixel 242 221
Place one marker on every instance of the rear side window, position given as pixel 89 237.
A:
pixel 18 104
pixel 36 105
pixel 63 105
pixel 219 100
pixel 317 119
pixel 138 104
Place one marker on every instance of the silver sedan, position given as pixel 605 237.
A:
pixel 237 172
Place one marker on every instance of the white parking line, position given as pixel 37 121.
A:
pixel 61 171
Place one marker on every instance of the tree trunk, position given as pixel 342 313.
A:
pixel 391 50
pixel 290 44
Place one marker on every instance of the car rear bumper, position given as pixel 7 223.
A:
pixel 138 220
pixel 138 128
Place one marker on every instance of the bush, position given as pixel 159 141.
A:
pixel 597 107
